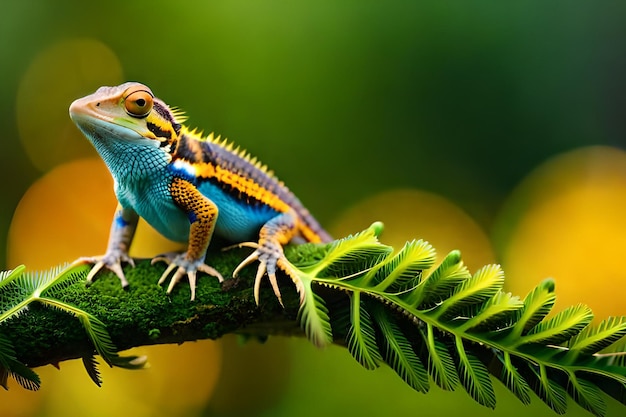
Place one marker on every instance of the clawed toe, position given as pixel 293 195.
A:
pixel 113 262
pixel 183 266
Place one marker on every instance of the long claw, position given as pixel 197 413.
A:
pixel 180 272
pixel 253 245
pixel 167 272
pixel 184 266
pixel 192 284
pixel 112 261
pixel 253 257
pixel 274 283
pixel 210 271
pixel 97 267
pixel 257 281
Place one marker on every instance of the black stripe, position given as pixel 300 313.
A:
pixel 235 193
pixel 158 131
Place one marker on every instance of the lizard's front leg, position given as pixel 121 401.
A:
pixel 274 234
pixel 202 214
pixel 120 237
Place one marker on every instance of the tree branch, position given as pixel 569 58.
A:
pixel 144 314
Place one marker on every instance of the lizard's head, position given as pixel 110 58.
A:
pixel 127 112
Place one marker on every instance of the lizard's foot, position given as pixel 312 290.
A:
pixel 270 255
pixel 184 267
pixel 112 261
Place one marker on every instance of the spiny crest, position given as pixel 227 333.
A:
pixel 178 115
pixel 237 150
pixel 223 143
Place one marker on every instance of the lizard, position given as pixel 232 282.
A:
pixel 188 187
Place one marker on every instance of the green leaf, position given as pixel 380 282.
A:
pixel 537 304
pixel 595 338
pixel 462 322
pixel 513 380
pixel 549 390
pixel 361 335
pixel 313 317
pixel 474 376
pixel 10 366
pixel 398 352
pixel 440 283
pixel 587 395
pixel 440 364
pixel 561 327
pixel 18 289
pixel 351 255
pixel 484 284
pixel 7 276
pixel 24 376
pixel 495 314
pixel 404 270
pixel 91 366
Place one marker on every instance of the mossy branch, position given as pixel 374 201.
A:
pixel 143 314
pixel 431 323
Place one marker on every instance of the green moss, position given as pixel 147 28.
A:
pixel 144 314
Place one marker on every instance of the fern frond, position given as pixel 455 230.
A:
pixel 440 364
pixel 398 352
pixel 313 317
pixel 91 366
pixel 537 304
pixel 444 321
pixel 18 289
pixel 440 283
pixel 587 395
pixel 595 338
pixel 404 270
pixel 483 285
pixel 560 328
pixel 512 379
pixel 474 376
pixel 361 335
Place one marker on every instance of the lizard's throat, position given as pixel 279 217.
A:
pixel 127 161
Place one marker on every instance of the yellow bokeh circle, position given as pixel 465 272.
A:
pixel 567 220
pixel 64 215
pixel 179 381
pixel 67 214
pixel 59 74
pixel 414 214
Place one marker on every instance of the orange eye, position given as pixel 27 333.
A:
pixel 138 103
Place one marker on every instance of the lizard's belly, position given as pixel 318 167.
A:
pixel 237 220
pixel 160 213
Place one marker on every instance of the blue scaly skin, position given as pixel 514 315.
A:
pixel 187 187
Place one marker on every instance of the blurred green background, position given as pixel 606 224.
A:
pixel 454 103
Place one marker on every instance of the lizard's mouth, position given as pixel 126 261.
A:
pixel 102 128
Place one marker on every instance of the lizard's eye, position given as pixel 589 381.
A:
pixel 138 103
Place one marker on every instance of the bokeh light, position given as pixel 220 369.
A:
pixel 342 100
pixel 64 215
pixel 566 220
pixel 415 214
pixel 59 74
pixel 179 381
pixel 61 216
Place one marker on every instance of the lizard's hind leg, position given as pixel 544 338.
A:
pixel 274 234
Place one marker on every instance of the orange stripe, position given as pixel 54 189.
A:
pixel 309 234
pixel 244 185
